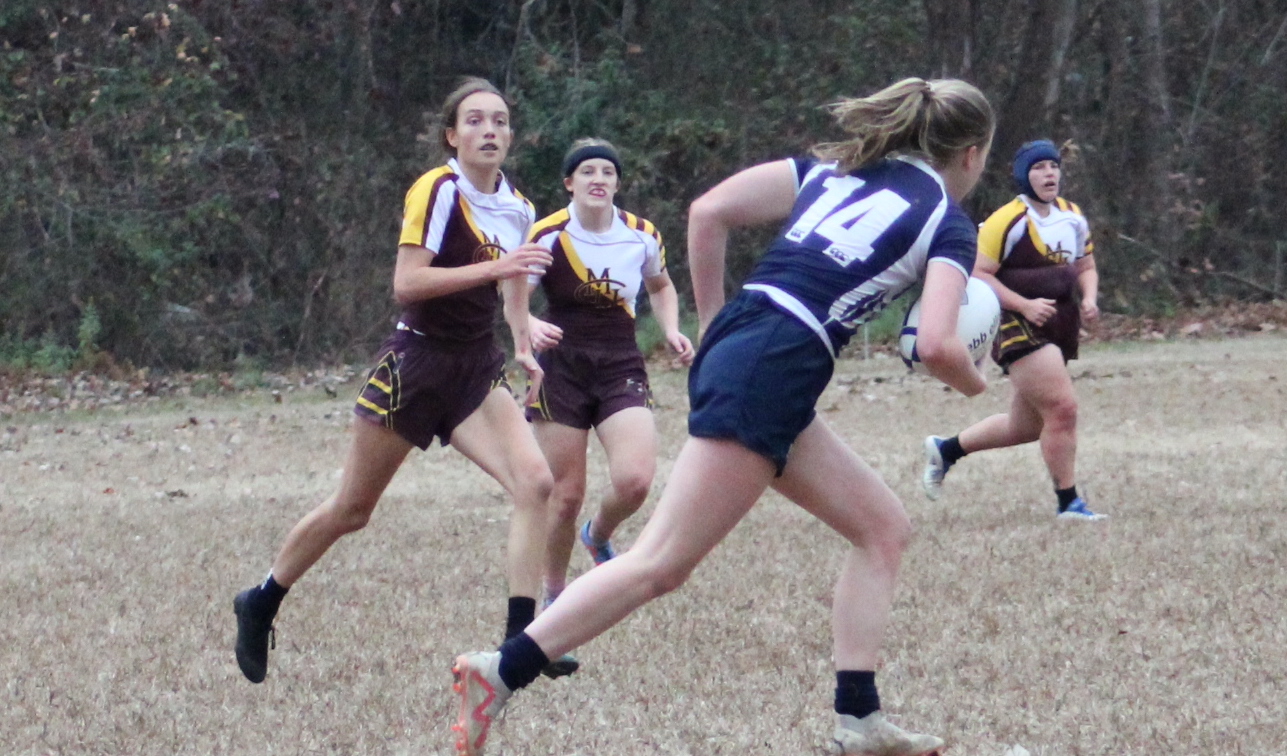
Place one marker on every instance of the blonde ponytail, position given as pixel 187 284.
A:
pixel 930 119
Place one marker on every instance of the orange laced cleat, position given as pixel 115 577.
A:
pixel 482 697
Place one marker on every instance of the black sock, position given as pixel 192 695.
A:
pixel 522 610
pixel 951 451
pixel 267 598
pixel 856 693
pixel 1066 497
pixel 521 661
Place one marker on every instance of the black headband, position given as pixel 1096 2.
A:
pixel 589 152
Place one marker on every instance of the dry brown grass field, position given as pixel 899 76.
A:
pixel 124 535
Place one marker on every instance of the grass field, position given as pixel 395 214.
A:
pixel 124 535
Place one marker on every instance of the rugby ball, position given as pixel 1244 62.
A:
pixel 976 325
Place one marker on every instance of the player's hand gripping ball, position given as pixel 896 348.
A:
pixel 976 325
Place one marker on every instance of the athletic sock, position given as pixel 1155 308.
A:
pixel 1066 496
pixel 856 693
pixel 951 451
pixel 521 661
pixel 522 610
pixel 267 598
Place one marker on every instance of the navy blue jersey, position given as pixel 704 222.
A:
pixel 855 242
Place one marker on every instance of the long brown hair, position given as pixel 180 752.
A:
pixel 932 119
pixel 451 106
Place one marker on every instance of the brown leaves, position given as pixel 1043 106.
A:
pixel 1212 322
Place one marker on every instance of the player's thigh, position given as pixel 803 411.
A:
pixel 564 448
pixel 830 481
pixel 1042 379
pixel 629 439
pixel 712 486
pixel 375 454
pixel 497 438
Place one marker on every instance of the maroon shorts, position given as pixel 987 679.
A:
pixel 584 386
pixel 1017 338
pixel 421 388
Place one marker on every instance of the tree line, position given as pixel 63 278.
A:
pixel 194 183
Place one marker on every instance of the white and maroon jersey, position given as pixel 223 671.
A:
pixel 461 225
pixel 1017 236
pixel 595 279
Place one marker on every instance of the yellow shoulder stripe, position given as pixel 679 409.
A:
pixel 993 232
pixel 418 205
pixel 641 224
pixel 553 222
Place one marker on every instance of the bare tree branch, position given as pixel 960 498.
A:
pixel 1217 24
pixel 1246 282
pixel 521 32
pixel 1269 51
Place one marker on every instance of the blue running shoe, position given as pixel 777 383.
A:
pixel 599 552
pixel 1078 510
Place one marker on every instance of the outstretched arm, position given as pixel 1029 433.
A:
pixel 759 194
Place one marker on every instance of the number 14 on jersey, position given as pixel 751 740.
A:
pixel 852 229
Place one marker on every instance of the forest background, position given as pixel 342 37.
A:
pixel 196 184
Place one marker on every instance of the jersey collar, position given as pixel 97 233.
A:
pixel 574 224
pixel 926 168
pixel 503 198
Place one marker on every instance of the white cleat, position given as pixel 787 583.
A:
pixel 873 735
pixel 935 468
pixel 482 697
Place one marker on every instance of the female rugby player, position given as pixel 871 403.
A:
pixel 594 373
pixel 865 219
pixel 440 373
pixel 1036 253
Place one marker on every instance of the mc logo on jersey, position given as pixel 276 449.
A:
pixel 488 251
pixel 1057 254
pixel 599 291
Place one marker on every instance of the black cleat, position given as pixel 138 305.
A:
pixel 561 667
pixel 254 635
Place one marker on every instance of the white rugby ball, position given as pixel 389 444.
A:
pixel 976 325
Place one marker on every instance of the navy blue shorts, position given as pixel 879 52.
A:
pixel 757 377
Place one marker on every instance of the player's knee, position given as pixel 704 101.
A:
pixel 533 483
pixel 350 517
pixel 903 534
pixel 565 502
pixel 886 537
pixel 632 488
pixel 1061 414
pixel 664 581
pixel 896 535
pixel 663 576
